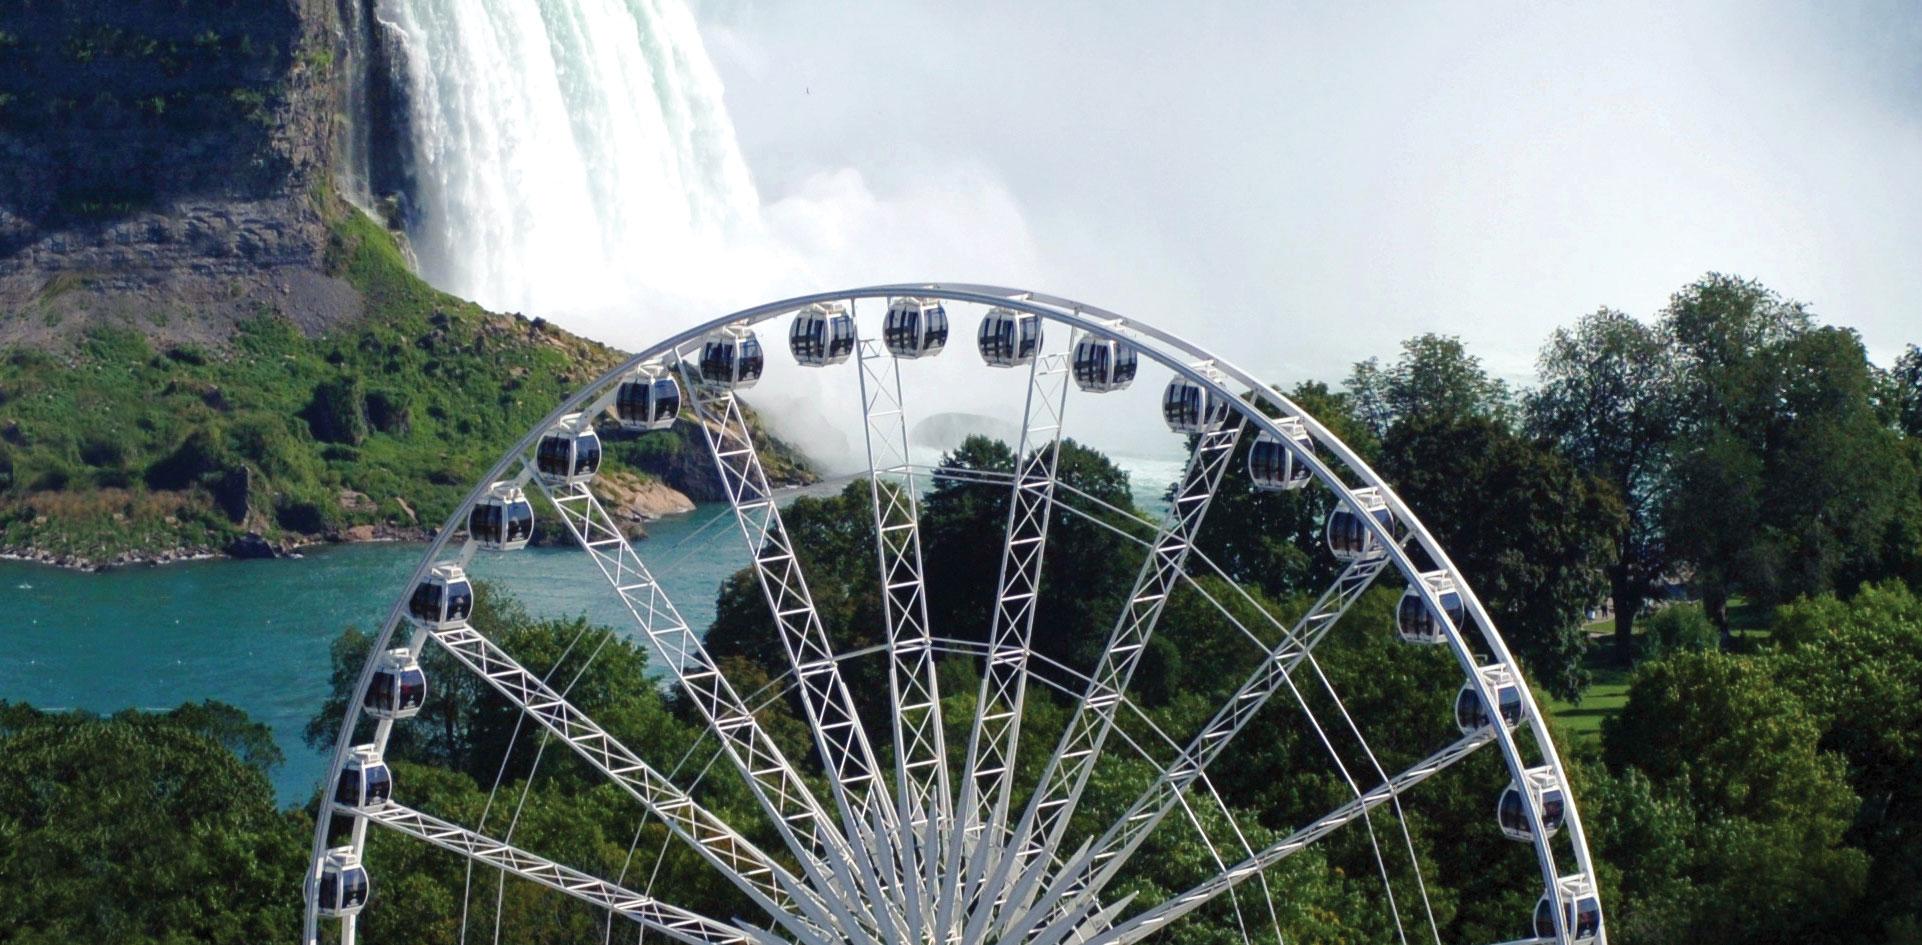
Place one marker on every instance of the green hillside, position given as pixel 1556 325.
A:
pixel 112 449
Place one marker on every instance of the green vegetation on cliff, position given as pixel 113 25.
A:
pixel 113 448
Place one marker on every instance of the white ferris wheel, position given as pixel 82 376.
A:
pixel 927 842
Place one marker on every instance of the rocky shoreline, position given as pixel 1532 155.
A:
pixel 632 500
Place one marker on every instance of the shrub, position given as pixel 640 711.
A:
pixel 390 411
pixel 337 413
pixel 201 452
pixel 1676 629
pixel 301 515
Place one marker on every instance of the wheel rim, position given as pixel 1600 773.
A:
pixel 846 892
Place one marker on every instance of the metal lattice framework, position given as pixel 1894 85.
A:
pixel 927 843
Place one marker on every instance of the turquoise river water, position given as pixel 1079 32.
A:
pixel 256 633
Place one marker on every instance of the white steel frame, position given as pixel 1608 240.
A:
pixel 922 797
pixel 898 856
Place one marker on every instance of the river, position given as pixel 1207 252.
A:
pixel 256 633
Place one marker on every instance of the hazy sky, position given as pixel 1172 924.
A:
pixel 1303 187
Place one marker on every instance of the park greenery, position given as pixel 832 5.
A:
pixel 1742 482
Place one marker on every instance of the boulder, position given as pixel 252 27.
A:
pixel 251 545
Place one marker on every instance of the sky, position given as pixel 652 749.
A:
pixel 1303 186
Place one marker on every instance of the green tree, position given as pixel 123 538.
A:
pixel 1905 384
pixel 1857 663
pixel 1787 480
pixel 141 829
pixel 1434 377
pixel 1609 401
pixel 1085 575
pixel 1678 628
pixel 1738 750
pixel 1530 532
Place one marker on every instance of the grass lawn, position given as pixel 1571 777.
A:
pixel 1748 621
pixel 1604 698
pixel 1608 692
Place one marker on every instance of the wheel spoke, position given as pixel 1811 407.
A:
pixel 745 865
pixel 1158 917
pixel 920 744
pixel 994 739
pixel 807 828
pixel 1080 744
pixel 1125 835
pixel 650 913
pixel 838 732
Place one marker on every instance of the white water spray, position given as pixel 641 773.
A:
pixel 568 157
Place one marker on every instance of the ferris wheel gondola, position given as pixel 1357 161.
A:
pixel 1190 408
pixel 915 328
pixel 822 335
pixel 1103 364
pixel 342 887
pixel 1581 912
pixel 1544 795
pixel 365 782
pixel 1009 338
pixel 1279 463
pixel 397 688
pixel 443 599
pixel 1416 622
pixel 648 400
pixel 731 358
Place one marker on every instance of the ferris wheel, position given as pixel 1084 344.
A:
pixel 896 833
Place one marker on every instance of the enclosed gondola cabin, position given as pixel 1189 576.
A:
pixel 1581 912
pixel 1545 792
pixel 365 783
pixel 1471 714
pixel 822 334
pixel 648 400
pixel 915 328
pixel 1349 536
pixel 1190 408
pixel 1009 338
pixel 1416 622
pixel 1277 466
pixel 570 453
pixel 343 887
pixel 732 358
pixel 1103 364
pixel 398 688
pixel 442 600
pixel 503 519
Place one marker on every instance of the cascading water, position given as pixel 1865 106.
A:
pixel 563 156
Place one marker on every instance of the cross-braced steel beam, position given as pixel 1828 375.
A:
pixel 1080 744
pixel 839 736
pixel 1158 917
pixel 993 742
pixel 1085 876
pixel 672 921
pixel 809 830
pixel 766 882
pixel 921 759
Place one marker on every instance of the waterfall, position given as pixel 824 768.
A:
pixel 357 36
pixel 563 156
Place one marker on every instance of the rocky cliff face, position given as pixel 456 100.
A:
pixel 164 166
